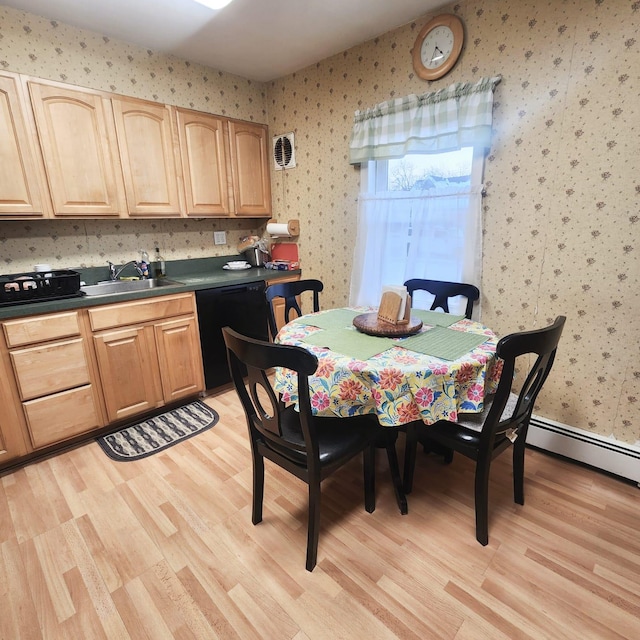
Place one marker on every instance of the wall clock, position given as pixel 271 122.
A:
pixel 438 46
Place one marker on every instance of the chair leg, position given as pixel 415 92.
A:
pixel 369 464
pixel 482 501
pixel 258 487
pixel 313 526
pixel 394 468
pixel 410 448
pixel 518 471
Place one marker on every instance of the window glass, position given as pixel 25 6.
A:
pixel 419 172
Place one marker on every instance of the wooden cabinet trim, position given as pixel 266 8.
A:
pixel 139 311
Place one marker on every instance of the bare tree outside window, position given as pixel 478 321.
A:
pixel 421 171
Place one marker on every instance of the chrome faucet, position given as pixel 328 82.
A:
pixel 114 273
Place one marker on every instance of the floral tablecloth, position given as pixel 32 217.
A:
pixel 398 385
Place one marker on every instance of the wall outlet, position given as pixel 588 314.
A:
pixel 219 237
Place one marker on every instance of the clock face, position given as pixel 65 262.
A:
pixel 436 47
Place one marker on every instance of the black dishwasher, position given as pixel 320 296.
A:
pixel 241 307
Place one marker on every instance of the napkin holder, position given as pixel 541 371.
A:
pixel 390 308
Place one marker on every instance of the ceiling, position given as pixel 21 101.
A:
pixel 256 39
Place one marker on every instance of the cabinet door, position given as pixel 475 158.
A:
pixel 80 151
pixel 204 151
pixel 150 163
pixel 180 359
pixel 128 367
pixel 250 165
pixel 20 195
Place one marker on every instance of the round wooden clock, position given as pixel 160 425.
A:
pixel 438 46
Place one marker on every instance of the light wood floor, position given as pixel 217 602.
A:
pixel 165 548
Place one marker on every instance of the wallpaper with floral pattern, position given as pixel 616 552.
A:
pixel 563 182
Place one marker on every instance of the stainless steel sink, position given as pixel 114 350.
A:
pixel 109 287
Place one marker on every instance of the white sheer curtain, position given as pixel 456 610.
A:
pixel 436 234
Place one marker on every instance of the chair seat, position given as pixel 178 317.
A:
pixel 468 428
pixel 335 438
pixel 474 421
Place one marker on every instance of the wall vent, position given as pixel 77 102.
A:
pixel 284 152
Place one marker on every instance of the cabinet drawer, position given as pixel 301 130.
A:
pixel 41 328
pixel 50 368
pixel 139 311
pixel 61 416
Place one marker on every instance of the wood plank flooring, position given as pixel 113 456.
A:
pixel 164 548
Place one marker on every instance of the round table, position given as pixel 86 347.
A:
pixel 398 385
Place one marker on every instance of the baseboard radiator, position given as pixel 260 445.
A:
pixel 607 454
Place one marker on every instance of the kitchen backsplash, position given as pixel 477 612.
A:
pixel 90 243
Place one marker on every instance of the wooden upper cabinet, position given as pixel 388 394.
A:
pixel 250 166
pixel 204 151
pixel 149 156
pixel 80 151
pixel 20 194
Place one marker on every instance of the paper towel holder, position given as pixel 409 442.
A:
pixel 288 230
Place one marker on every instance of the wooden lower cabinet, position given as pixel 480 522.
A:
pixel 179 357
pixel 13 436
pixel 61 416
pixel 127 363
pixel 51 378
pixel 68 374
pixel 151 363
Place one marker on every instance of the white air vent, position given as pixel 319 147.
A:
pixel 284 152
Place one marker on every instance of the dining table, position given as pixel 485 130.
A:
pixel 445 367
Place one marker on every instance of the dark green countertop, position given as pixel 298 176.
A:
pixel 189 275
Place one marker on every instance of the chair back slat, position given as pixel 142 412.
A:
pixel 259 358
pixel 442 291
pixel 290 292
pixel 542 343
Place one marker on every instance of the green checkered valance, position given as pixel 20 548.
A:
pixel 454 117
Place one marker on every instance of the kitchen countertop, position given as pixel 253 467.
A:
pixel 189 275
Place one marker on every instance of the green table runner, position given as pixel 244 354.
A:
pixel 333 319
pixel 350 342
pixel 435 318
pixel 443 343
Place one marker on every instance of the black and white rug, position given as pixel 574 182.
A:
pixel 155 434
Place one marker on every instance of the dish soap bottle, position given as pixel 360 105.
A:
pixel 159 267
pixel 144 264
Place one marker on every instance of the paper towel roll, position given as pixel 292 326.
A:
pixel 279 229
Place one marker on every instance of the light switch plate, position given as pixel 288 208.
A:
pixel 219 237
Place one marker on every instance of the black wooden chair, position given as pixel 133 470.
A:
pixel 443 291
pixel 289 291
pixel 505 420
pixel 309 448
